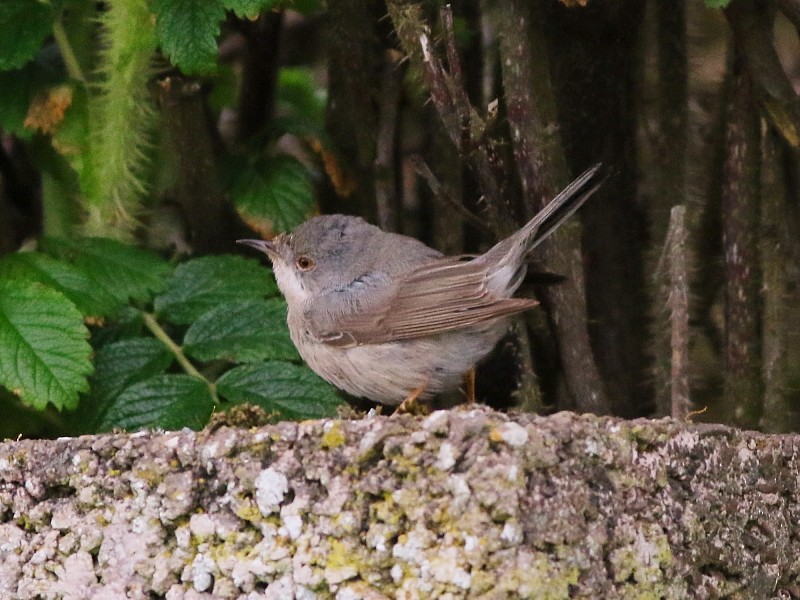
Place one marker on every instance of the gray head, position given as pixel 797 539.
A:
pixel 322 253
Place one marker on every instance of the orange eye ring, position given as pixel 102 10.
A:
pixel 305 263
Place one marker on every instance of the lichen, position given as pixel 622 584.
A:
pixel 333 436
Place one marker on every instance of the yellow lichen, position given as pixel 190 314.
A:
pixel 333 437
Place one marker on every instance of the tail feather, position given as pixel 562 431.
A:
pixel 562 207
pixel 507 256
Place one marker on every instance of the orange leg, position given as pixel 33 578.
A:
pixel 469 385
pixel 410 404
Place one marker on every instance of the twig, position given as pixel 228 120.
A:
pixel 674 260
pixel 752 24
pixel 445 196
pixel 158 332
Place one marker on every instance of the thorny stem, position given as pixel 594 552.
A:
pixel 162 336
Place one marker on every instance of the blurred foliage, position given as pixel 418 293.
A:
pixel 140 138
pixel 96 333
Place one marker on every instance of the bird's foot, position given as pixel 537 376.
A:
pixel 411 405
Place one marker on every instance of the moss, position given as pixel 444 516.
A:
pixel 642 564
pixel 341 563
pixel 149 476
pixel 543 578
pixel 247 510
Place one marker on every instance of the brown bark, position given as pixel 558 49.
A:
pixel 355 67
pixel 542 169
pixel 259 72
pixel 596 78
pixel 779 414
pixel 210 218
pixel 740 212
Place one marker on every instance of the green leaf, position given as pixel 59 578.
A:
pixel 16 93
pixel 117 366
pixel 187 31
pixel 248 331
pixel 24 25
pixel 274 197
pixel 294 391
pixel 72 282
pixel 44 355
pixel 297 92
pixel 19 87
pixel 122 271
pixel 249 8
pixel 125 324
pixel 162 401
pixel 201 284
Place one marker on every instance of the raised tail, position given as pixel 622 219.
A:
pixel 562 207
pixel 507 258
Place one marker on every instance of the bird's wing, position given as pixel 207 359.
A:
pixel 438 296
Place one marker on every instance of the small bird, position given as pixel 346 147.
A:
pixel 383 316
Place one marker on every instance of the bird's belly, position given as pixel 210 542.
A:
pixel 389 372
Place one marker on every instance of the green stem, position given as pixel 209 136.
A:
pixel 70 60
pixel 161 335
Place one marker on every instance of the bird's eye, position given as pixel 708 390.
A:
pixel 304 263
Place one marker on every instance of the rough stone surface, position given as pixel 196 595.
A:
pixel 459 504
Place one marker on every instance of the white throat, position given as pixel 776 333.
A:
pixel 289 283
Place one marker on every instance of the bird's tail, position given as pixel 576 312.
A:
pixel 562 207
pixel 507 256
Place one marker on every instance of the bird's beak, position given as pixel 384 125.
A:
pixel 265 246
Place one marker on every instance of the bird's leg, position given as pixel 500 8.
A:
pixel 469 385
pixel 410 404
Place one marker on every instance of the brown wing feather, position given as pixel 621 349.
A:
pixel 437 297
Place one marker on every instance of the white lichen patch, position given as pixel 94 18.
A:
pixel 201 526
pixel 446 457
pixel 512 532
pixel 446 568
pixel 271 488
pixel 201 572
pixel 510 433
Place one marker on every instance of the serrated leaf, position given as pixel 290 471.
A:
pixel 162 401
pixel 123 363
pixel 248 331
pixel 72 282
pixel 126 323
pixel 117 366
pixel 274 197
pixel 44 355
pixel 122 271
pixel 24 25
pixel 294 391
pixel 201 284
pixel 187 31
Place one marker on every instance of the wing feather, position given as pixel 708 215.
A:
pixel 439 296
